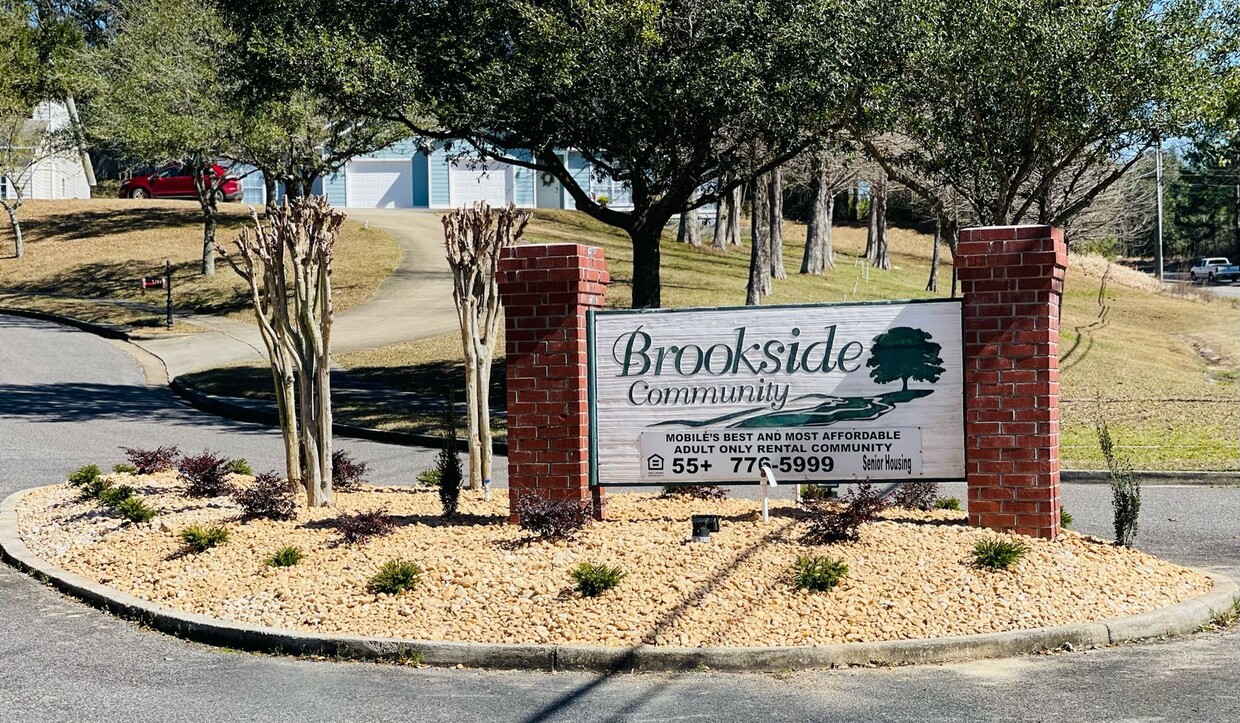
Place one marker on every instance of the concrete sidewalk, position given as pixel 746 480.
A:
pixel 415 302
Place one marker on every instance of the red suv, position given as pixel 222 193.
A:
pixel 177 182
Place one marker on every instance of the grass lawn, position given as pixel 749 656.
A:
pixel 99 248
pixel 1162 369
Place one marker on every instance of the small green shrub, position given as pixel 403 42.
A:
pixel 113 496
pixel 429 477
pixel 996 553
pixel 240 466
pixel 817 573
pixel 448 463
pixel 95 488
pixel 1125 488
pixel 124 467
pixel 592 580
pixel 395 577
pixel 947 503
pixel 286 557
pixel 135 510
pixel 1065 518
pixel 201 539
pixel 84 475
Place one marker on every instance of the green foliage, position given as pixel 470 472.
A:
pixel 593 580
pixel 395 577
pixel 96 487
pixel 135 509
pixel 113 496
pixel 997 553
pixel 947 503
pixel 429 477
pixel 124 468
pixel 240 466
pixel 1125 488
pixel 84 475
pixel 286 556
pixel 201 538
pixel 448 463
pixel 817 573
pixel 1065 518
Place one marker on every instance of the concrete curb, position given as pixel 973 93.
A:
pixel 1178 619
pixel 1154 477
pixel 223 407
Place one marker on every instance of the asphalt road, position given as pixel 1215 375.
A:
pixel 67 398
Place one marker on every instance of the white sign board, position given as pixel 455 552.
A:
pixel 828 392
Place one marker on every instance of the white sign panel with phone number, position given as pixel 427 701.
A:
pixel 816 393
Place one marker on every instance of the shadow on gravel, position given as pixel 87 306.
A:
pixel 81 402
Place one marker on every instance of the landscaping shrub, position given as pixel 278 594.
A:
pixel 286 556
pixel 206 474
pixel 149 461
pixel 270 497
pixel 135 509
pixel 395 577
pixel 695 492
pixel 1065 518
pixel 96 487
pixel 347 473
pixel 592 580
pixel 813 493
pixel 113 496
pixel 916 496
pixel 429 477
pixel 240 466
pixel 817 573
pixel 201 539
pixel 841 521
pixel 124 467
pixel 448 463
pixel 84 475
pixel 359 527
pixel 552 519
pixel 947 503
pixel 1125 488
pixel 997 553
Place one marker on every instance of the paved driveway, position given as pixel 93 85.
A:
pixel 68 398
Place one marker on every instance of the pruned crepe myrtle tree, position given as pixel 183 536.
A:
pixel 473 240
pixel 1028 111
pixel 287 263
pixel 664 98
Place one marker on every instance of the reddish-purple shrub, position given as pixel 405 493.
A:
pixel 149 461
pixel 695 492
pixel 347 473
pixel 206 474
pixel 361 526
pixel 841 521
pixel 552 519
pixel 270 497
pixel 916 496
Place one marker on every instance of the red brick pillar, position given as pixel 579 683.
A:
pixel 546 290
pixel 1012 281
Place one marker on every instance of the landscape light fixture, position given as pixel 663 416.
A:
pixel 703 525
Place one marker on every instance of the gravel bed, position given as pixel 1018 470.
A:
pixel 910 575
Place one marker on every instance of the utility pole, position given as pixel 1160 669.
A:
pixel 1158 185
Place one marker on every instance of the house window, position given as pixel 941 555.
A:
pixel 4 186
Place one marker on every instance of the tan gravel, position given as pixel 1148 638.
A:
pixel 484 580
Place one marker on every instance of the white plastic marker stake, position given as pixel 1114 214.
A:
pixel 486 489
pixel 768 481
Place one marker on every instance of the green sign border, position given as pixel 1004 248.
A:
pixel 592 381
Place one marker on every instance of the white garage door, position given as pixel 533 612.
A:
pixel 491 182
pixel 380 184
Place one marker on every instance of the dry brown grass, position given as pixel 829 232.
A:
pixel 99 248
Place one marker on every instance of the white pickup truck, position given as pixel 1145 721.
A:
pixel 1214 269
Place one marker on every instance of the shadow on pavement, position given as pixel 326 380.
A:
pixel 80 402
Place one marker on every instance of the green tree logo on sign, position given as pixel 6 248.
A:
pixel 905 353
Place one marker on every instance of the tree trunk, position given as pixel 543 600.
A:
pixel 878 226
pixel 694 228
pixel 734 216
pixel 646 286
pixel 682 228
pixel 933 283
pixel 759 283
pixel 18 246
pixel 853 201
pixel 818 255
pixel 723 211
pixel 484 416
pixel 269 189
pixel 208 239
pixel 777 225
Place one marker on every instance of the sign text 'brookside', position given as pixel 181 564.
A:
pixel 637 356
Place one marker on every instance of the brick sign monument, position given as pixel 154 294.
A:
pixel 942 390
